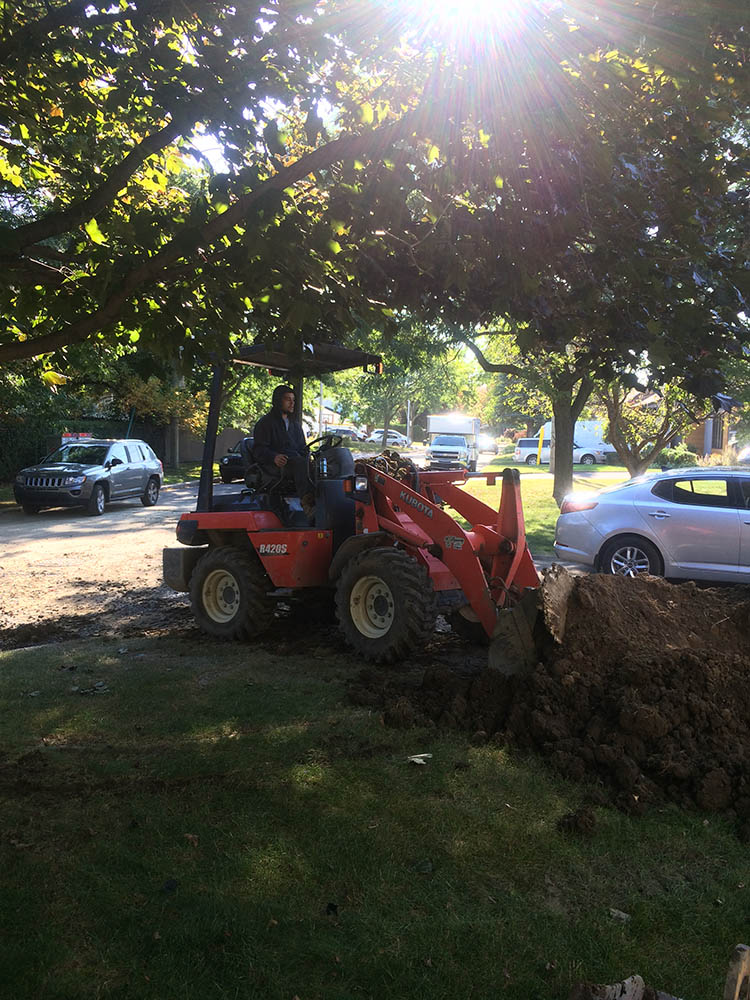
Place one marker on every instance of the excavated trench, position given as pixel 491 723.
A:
pixel 647 694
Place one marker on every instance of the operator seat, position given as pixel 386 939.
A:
pixel 339 462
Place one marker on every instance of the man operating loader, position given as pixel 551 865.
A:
pixel 279 445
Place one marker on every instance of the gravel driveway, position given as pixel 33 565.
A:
pixel 65 574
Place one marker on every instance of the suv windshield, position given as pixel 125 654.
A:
pixel 81 454
pixel 452 440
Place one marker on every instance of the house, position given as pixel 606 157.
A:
pixel 711 437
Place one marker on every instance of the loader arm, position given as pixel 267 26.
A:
pixel 490 561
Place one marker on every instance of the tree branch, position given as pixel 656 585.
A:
pixel 585 388
pixel 186 243
pixel 57 223
pixel 73 15
pixel 490 366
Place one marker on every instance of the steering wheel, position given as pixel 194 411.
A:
pixel 326 441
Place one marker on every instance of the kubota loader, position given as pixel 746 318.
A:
pixel 381 543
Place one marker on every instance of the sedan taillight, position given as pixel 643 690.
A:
pixel 571 506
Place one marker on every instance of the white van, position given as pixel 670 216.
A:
pixel 586 434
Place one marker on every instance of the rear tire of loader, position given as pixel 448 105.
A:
pixel 385 604
pixel 229 594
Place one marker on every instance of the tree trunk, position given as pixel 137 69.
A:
pixel 567 405
pixel 387 414
pixel 562 408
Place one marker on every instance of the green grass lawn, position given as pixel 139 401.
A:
pixel 184 819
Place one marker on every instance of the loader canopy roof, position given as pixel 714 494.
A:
pixel 313 360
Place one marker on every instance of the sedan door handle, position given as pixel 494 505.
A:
pixel 658 514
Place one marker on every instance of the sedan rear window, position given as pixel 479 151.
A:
pixel 702 492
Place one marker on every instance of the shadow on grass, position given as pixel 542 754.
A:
pixel 219 822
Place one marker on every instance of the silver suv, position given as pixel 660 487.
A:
pixel 89 473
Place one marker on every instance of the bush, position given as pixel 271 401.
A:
pixel 726 457
pixel 678 457
pixel 22 443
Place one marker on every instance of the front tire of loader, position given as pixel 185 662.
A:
pixel 229 594
pixel 385 604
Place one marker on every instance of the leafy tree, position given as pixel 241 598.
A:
pixel 642 424
pixel 368 161
pixel 418 368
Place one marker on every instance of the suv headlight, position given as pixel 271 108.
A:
pixel 74 480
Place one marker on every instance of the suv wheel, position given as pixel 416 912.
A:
pixel 30 508
pixel 531 459
pixel 588 460
pixel 151 495
pixel 97 500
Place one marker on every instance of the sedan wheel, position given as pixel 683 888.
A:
pixel 631 557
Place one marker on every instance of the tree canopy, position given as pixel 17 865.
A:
pixel 563 167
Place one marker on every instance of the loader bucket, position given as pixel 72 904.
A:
pixel 525 632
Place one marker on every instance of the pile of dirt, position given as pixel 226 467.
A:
pixel 647 693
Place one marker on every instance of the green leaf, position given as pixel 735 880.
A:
pixel 94 232
pixel 334 246
pixel 366 114
pixel 433 154
pixel 54 378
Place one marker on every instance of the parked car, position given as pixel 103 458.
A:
pixel 527 450
pixel 681 523
pixel 394 438
pixel 346 432
pixel 232 465
pixel 744 456
pixel 90 473
pixel 487 444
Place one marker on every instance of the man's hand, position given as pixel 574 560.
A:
pixel 280 461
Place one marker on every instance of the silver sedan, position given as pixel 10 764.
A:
pixel 689 524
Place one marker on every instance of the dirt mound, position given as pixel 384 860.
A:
pixel 647 693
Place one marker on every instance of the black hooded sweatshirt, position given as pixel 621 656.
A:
pixel 272 436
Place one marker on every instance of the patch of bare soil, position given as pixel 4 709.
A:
pixel 107 609
pixel 647 694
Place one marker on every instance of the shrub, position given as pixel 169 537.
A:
pixel 677 458
pixel 726 457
